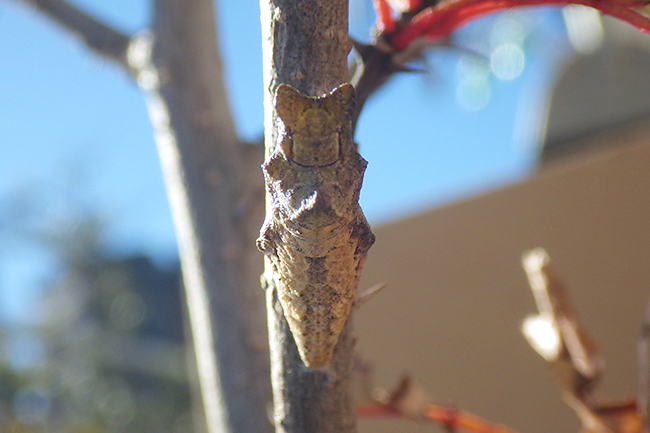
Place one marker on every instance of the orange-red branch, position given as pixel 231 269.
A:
pixel 440 20
pixel 456 420
pixel 385 20
pixel 462 421
pixel 377 410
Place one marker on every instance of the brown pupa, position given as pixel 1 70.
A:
pixel 316 236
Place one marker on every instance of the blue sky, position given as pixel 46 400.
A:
pixel 73 127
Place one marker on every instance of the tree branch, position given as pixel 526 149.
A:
pixel 177 64
pixel 212 196
pixel 96 35
pixel 305 45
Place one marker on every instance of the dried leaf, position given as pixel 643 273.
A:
pixel 573 357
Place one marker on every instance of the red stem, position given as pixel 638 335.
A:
pixel 385 20
pixel 376 410
pixel 440 20
pixel 456 420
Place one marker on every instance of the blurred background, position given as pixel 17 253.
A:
pixel 91 323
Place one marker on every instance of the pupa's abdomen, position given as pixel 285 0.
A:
pixel 316 236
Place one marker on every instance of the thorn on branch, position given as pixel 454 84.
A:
pixel 368 294
pixel 378 62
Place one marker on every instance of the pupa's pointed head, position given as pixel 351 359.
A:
pixel 314 124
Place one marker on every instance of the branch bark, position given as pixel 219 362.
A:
pixel 305 45
pixel 212 197
pixel 99 37
pixel 205 174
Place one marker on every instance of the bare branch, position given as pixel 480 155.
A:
pixel 96 35
pixel 178 66
pixel 212 196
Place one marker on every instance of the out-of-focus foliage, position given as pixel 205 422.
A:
pixel 106 352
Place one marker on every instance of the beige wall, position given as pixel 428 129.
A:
pixel 457 295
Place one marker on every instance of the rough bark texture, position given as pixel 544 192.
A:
pixel 306 45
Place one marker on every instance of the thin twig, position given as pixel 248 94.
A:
pixel 409 400
pixel 96 35
pixel 456 420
